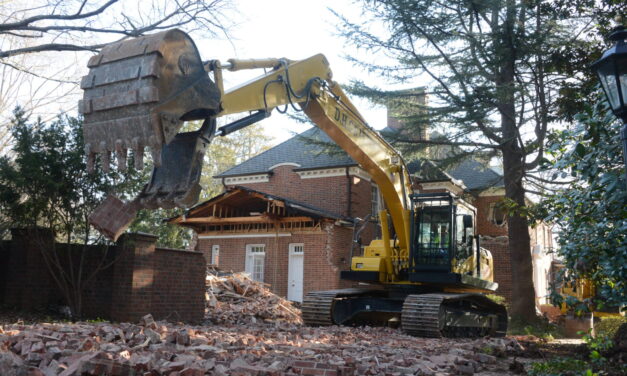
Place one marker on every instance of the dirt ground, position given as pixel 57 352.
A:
pixel 29 346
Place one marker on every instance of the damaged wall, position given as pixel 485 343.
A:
pixel 326 252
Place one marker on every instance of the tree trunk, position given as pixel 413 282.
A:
pixel 523 301
pixel 522 305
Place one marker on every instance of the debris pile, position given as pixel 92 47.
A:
pixel 234 298
pixel 160 348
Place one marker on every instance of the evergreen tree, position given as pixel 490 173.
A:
pixel 503 71
pixel 591 207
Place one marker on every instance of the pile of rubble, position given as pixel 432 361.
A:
pixel 159 348
pixel 234 298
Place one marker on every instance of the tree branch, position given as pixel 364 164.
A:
pixel 78 15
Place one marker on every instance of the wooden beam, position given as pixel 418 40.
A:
pixel 251 219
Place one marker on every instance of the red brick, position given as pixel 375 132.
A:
pixel 312 371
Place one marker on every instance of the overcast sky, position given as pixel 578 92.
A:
pixel 294 29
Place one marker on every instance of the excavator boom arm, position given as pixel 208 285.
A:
pixel 308 82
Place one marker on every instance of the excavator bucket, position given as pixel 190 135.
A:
pixel 176 182
pixel 138 94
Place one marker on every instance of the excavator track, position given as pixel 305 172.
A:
pixel 421 315
pixel 317 307
pixel 453 315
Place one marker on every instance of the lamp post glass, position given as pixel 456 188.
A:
pixel 612 71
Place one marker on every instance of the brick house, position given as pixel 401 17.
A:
pixel 296 172
pixel 273 238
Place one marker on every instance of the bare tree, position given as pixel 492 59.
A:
pixel 42 42
pixel 66 25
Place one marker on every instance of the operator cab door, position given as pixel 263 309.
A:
pixel 295 272
pixel 432 232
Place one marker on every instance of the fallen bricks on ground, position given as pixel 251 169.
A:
pixel 248 331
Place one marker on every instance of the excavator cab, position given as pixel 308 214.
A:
pixel 444 241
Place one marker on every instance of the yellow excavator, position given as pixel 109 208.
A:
pixel 427 270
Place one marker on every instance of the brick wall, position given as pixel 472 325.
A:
pixel 329 193
pixel 326 252
pixel 484 226
pixel 168 283
pixel 498 246
pixel 179 285
pixel 142 279
pixel 28 285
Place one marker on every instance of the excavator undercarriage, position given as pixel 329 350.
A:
pixel 421 314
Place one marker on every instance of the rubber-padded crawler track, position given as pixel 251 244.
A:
pixel 423 315
pixel 317 308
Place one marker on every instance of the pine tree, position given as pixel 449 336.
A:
pixel 503 71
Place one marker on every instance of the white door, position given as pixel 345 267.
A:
pixel 295 273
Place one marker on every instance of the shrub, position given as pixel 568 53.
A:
pixel 608 326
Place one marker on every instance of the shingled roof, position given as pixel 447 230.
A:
pixel 476 176
pixel 307 155
pixel 295 150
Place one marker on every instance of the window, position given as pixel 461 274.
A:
pixel 297 248
pixel 375 202
pixel 215 254
pixel 255 257
pixel 433 238
pixel 497 215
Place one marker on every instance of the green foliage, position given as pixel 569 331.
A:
pixel 153 222
pixel 596 365
pixel 46 182
pixel 540 327
pixel 592 209
pixel 497 299
pixel 597 345
pixel 97 320
pixel 226 152
pixel 608 326
pixel 561 367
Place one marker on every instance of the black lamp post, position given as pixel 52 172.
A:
pixel 612 71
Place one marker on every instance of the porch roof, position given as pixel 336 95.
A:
pixel 242 205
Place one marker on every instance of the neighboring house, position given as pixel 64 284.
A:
pixel 296 174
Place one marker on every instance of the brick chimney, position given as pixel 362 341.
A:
pixel 416 96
